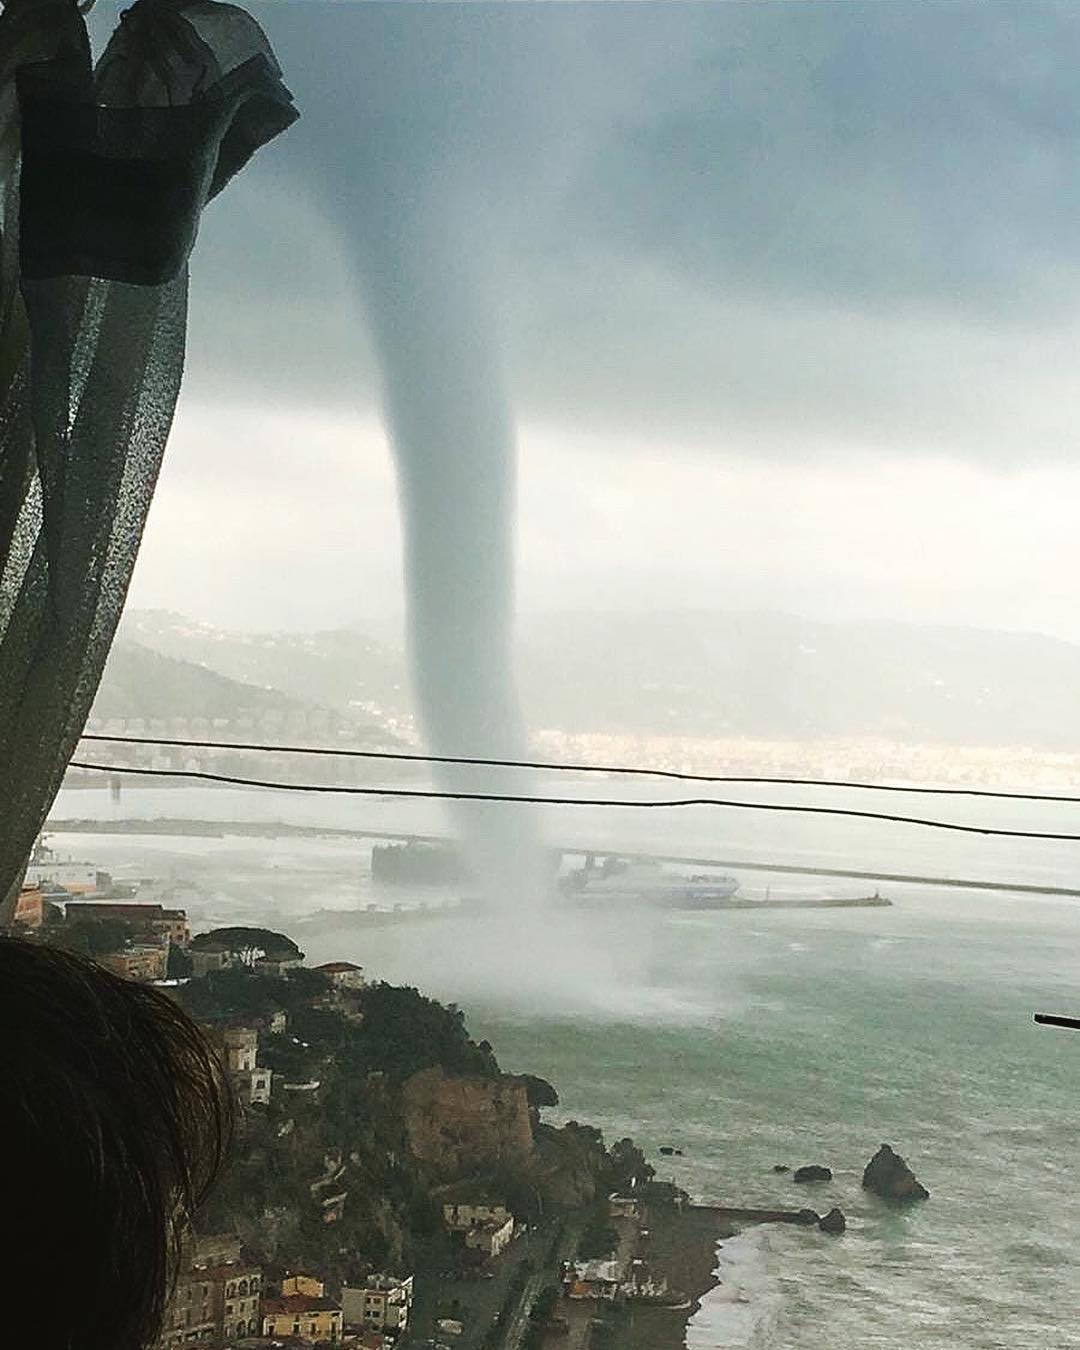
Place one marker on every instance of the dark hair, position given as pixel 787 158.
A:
pixel 114 1118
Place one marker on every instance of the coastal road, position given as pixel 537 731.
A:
pixel 555 1243
pixel 519 1322
pixel 477 1302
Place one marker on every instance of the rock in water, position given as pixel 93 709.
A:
pixel 781 1168
pixel 833 1222
pixel 813 1173
pixel 889 1176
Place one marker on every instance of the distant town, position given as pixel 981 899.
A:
pixel 852 759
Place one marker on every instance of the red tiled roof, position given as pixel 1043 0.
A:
pixel 235 1270
pixel 334 967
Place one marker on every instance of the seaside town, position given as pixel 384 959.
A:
pixel 495 1279
pixel 390 1186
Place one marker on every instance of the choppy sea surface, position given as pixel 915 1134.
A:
pixel 753 1039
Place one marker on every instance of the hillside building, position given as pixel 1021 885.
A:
pixel 276 966
pixel 141 961
pixel 148 922
pixel 241 1050
pixel 299 1283
pixel 485 1225
pixel 343 974
pixel 216 1297
pixel 381 1303
pixel 303 1317
pixel 459 1216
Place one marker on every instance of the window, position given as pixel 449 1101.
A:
pixel 775 307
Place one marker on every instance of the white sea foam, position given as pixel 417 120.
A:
pixel 741 1310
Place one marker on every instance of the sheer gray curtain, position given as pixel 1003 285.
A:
pixel 104 175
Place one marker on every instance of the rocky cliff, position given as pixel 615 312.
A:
pixel 459 1126
pixel 347 1177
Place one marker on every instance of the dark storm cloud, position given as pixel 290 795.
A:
pixel 736 223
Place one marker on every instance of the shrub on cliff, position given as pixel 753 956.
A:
pixel 538 1090
pixel 404 1032
pixel 627 1166
pixel 598 1239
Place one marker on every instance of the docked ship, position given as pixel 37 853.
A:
pixel 615 880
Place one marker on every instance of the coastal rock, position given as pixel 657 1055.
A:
pixel 459 1125
pixel 812 1173
pixel 889 1176
pixel 808 1217
pixel 781 1168
pixel 833 1222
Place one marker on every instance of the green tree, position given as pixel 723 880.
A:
pixel 403 1032
pixel 248 944
pixel 178 965
pixel 598 1239
pixel 92 937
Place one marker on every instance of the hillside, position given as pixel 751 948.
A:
pixel 341 669
pixel 777 676
pixel 700 674
pixel 139 683
pixel 347 1177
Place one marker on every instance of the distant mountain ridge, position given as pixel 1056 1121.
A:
pixel 711 674
pixel 777 676
pixel 340 669
pixel 143 685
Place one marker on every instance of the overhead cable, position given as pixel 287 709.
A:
pixel 638 771
pixel 529 799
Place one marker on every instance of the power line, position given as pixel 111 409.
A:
pixel 434 794
pixel 1053 1020
pixel 639 771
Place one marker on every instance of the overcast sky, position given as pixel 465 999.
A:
pixel 788 297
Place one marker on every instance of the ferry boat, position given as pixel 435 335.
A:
pixel 618 880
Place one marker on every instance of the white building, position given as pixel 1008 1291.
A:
pixel 381 1303
pixel 459 1217
pixel 624 1206
pixel 593 1279
pixel 251 1080
pixel 490 1238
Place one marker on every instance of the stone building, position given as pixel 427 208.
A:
pixel 301 1316
pixel 216 1297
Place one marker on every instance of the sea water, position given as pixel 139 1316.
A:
pixel 750 1039
pixel 830 1033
